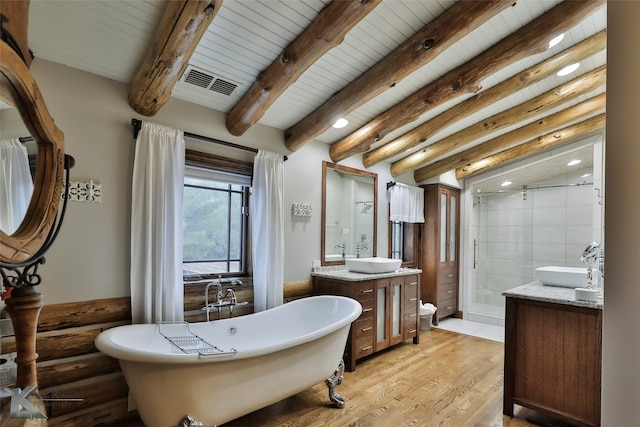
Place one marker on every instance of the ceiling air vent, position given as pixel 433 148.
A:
pixel 205 80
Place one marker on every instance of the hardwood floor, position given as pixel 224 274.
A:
pixel 449 379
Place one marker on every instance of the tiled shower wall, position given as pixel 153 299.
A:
pixel 515 233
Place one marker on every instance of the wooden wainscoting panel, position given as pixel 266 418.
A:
pixel 64 343
pixel 93 392
pixel 295 290
pixel 64 371
pixel 108 414
pixel 74 314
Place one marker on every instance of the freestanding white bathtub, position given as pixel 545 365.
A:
pixel 209 373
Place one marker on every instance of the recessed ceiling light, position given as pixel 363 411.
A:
pixel 568 69
pixel 557 39
pixel 340 123
pixel 573 162
pixel 506 183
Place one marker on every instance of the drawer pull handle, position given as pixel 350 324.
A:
pixel 412 331
pixel 413 299
pixel 449 292
pixel 413 315
pixel 367 291
pixel 366 348
pixel 449 275
pixel 450 308
pixel 413 283
pixel 365 310
pixel 367 329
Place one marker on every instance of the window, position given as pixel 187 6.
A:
pixel 403 243
pixel 215 212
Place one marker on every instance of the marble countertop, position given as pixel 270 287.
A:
pixel 344 274
pixel 538 292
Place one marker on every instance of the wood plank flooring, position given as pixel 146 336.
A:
pixel 449 379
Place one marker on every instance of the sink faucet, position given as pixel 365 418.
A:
pixel 364 245
pixel 343 246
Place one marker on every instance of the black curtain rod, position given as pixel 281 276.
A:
pixel 24 139
pixel 137 125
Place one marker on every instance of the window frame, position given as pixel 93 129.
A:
pixel 219 164
pixel 410 242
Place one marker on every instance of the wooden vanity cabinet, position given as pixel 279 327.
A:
pixel 440 249
pixel 553 360
pixel 390 308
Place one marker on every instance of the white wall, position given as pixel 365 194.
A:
pixel 621 339
pixel 90 259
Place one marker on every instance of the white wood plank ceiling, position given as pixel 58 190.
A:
pixel 110 38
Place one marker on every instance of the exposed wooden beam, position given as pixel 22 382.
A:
pixel 182 26
pixel 528 77
pixel 325 32
pixel 530 39
pixel 434 38
pixel 580 111
pixel 524 112
pixel 15 26
pixel 533 146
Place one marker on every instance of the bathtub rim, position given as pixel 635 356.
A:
pixel 105 343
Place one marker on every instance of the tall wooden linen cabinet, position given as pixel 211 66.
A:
pixel 440 249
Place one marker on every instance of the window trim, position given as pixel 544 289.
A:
pixel 195 160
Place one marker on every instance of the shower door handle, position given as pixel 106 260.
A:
pixel 475 246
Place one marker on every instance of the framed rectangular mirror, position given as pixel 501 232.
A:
pixel 349 212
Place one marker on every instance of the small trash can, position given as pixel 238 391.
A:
pixel 425 322
pixel 426 315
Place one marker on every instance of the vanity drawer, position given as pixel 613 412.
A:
pixel 364 291
pixel 447 275
pixel 411 321
pixel 447 291
pixel 411 289
pixel 410 330
pixel 446 307
pixel 363 347
pixel 362 328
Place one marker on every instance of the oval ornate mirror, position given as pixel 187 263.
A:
pixel 19 90
pixel 349 212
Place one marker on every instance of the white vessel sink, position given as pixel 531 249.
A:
pixel 374 265
pixel 569 277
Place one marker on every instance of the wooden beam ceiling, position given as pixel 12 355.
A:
pixel 185 21
pixel 182 26
pixel 544 142
pixel 526 78
pixel 525 112
pixel 541 126
pixel 528 40
pixel 435 37
pixel 325 32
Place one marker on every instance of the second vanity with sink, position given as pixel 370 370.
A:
pixel 390 307
pixel 553 353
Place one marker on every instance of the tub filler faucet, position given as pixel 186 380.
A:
pixel 221 298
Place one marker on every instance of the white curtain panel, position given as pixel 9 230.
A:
pixel 156 225
pixel 16 185
pixel 406 203
pixel 267 225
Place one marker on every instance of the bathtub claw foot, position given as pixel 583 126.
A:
pixel 334 381
pixel 189 421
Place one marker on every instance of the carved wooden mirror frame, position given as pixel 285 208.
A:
pixel 19 89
